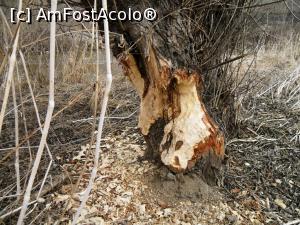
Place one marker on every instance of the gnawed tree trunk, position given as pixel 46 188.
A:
pixel 173 118
pixel 165 60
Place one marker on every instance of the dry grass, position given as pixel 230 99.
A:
pixel 262 165
pixel 75 80
pixel 263 160
pixel 267 106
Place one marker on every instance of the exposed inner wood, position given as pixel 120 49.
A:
pixel 161 59
pixel 154 100
pixel 132 72
pixel 188 132
pixel 193 132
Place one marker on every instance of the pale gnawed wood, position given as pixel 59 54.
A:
pixel 132 72
pixel 192 134
pixel 153 52
pixel 153 95
pixel 173 117
pixel 153 102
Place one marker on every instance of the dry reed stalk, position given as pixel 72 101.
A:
pixel 93 104
pixel 95 96
pixel 38 119
pixel 101 119
pixel 14 211
pixel 17 160
pixel 69 104
pixel 93 32
pixel 2 66
pixel 46 174
pixel 36 111
pixel 25 126
pixel 50 109
pixel 97 89
pixel 93 37
pixel 23 113
pixel 12 61
pixel 9 83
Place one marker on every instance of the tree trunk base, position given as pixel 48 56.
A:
pixel 173 119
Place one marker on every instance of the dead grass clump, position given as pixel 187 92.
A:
pixel 263 162
pixel 282 48
pixel 77 66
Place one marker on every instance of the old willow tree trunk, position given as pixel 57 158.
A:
pixel 166 61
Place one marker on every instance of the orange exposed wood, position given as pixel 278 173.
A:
pixel 170 96
pixel 132 72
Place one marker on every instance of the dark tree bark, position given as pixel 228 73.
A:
pixel 166 61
